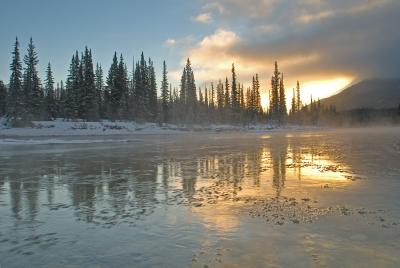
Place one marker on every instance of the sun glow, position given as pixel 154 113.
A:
pixel 323 88
pixel 318 89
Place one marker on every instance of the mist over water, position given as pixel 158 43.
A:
pixel 222 200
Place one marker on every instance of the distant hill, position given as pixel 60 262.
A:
pixel 371 93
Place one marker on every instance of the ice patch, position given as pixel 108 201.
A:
pixel 56 141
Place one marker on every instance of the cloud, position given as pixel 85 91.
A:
pixel 170 42
pixel 214 6
pixel 311 39
pixel 203 18
pixel 212 56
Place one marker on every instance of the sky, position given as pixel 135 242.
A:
pixel 325 44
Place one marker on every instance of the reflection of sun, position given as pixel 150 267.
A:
pixel 221 217
pixel 322 170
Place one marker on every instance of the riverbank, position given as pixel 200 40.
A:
pixel 62 127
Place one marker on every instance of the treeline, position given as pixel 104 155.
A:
pixel 89 94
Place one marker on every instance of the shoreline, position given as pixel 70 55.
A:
pixel 61 128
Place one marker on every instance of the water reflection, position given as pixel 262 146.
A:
pixel 138 204
pixel 124 184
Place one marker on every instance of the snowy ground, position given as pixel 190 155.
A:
pixel 61 127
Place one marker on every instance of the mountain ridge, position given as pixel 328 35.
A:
pixel 375 93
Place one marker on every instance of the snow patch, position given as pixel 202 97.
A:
pixel 54 141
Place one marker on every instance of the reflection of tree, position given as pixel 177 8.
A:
pixel 278 149
pixel 83 198
pixel 123 182
pixel 15 195
pixel 31 190
pixel 2 182
pixel 189 178
pixel 254 164
pixel 296 158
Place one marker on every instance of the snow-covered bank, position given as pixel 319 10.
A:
pixel 62 127
pixel 32 141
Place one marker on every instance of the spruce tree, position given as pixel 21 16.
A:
pixel 142 90
pixel 165 95
pixel 253 100
pixel 80 91
pixel 274 101
pixel 32 90
pixel 298 101
pixel 206 101
pixel 99 82
pixel 183 90
pixel 234 92
pixel 282 100
pixel 191 98
pixel 212 98
pixel 90 95
pixel 123 90
pixel 293 108
pixel 3 98
pixel 227 94
pixel 112 92
pixel 15 102
pixel 220 95
pixel 50 100
pixel 61 99
pixel 257 96
pixel 70 101
pixel 152 102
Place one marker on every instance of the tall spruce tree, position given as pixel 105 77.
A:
pixel 293 107
pixel 15 103
pixel 191 96
pixel 99 82
pixel 234 91
pixel 274 101
pixel 50 99
pixel 220 95
pixel 298 101
pixel 31 83
pixel 90 110
pixel 122 84
pixel 282 100
pixel 3 98
pixel 152 102
pixel 61 99
pixel 227 94
pixel 142 89
pixel 183 93
pixel 80 91
pixel 165 95
pixel 70 108
pixel 112 92
pixel 212 98
pixel 257 96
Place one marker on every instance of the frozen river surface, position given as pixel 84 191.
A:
pixel 301 199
